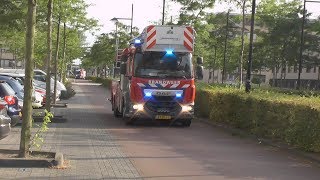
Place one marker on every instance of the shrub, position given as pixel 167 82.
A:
pixel 107 82
pixel 294 120
pixel 69 93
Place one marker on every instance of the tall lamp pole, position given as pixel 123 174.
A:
pixel 163 11
pixel 225 49
pixel 116 20
pixel 248 79
pixel 302 42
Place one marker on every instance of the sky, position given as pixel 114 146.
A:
pixel 145 12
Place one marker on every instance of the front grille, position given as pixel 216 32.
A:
pixel 155 106
pixel 164 98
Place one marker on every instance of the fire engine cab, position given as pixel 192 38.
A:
pixel 157 76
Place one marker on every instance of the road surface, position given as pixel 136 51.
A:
pixel 100 146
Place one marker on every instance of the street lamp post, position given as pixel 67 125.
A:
pixel 225 49
pixel 302 42
pixel 116 20
pixel 248 79
pixel 163 11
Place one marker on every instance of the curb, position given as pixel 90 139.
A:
pixel 312 157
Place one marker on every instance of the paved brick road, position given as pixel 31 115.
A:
pixel 100 146
pixel 91 149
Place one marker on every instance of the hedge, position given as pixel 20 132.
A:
pixel 107 82
pixel 292 119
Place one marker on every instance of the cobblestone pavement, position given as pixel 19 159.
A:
pixel 100 146
pixel 91 150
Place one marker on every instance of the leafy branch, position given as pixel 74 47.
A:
pixel 37 140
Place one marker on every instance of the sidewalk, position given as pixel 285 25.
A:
pixel 91 150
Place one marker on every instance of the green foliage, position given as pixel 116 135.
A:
pixel 71 12
pixel 103 50
pixel 256 80
pixel 70 91
pixel 106 82
pixel 37 140
pixel 290 118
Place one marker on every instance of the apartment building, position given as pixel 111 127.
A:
pixel 9 59
pixel 310 76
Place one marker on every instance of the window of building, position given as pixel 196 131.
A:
pixel 308 69
pixel 314 69
pixel 295 68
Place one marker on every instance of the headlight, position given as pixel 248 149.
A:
pixel 138 107
pixel 186 108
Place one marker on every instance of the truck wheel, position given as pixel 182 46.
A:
pixel 127 120
pixel 187 123
pixel 116 113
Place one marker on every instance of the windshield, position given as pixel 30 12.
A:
pixel 162 65
pixel 17 87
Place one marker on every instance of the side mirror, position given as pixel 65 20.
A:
pixel 200 60
pixel 199 72
pixel 123 68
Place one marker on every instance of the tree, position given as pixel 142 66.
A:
pixel 49 55
pixel 27 106
pixel 102 51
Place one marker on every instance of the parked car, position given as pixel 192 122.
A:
pixel 8 95
pixel 42 85
pixel 5 120
pixel 15 82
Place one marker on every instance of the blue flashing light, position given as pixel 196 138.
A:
pixel 169 51
pixel 148 94
pixel 178 95
pixel 137 41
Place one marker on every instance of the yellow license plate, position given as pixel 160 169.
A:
pixel 164 117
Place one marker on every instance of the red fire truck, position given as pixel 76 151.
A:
pixel 157 76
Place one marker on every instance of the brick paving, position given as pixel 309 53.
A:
pixel 91 150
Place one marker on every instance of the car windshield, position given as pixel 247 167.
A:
pixel 9 90
pixel 163 65
pixel 17 87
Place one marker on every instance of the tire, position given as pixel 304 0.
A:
pixel 127 120
pixel 116 113
pixel 187 123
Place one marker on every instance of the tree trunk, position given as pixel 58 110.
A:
pixel 64 67
pixel 49 55
pixel 105 71
pixel 242 44
pixel 56 62
pixel 27 106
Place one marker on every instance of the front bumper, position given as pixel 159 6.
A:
pixel 172 113
pixel 15 115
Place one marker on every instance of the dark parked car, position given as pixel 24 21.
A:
pixel 14 84
pixel 9 96
pixel 5 120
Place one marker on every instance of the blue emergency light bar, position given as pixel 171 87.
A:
pixel 169 51
pixel 137 41
pixel 148 94
pixel 178 95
